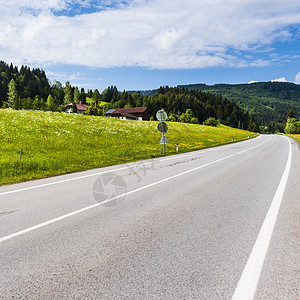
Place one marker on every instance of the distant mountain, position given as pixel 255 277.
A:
pixel 149 93
pixel 267 102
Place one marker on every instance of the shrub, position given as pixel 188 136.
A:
pixel 291 126
pixel 211 122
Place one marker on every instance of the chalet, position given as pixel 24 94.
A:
pixel 132 113
pixel 80 108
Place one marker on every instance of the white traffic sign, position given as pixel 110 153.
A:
pixel 161 115
pixel 164 140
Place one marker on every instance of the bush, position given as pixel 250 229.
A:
pixel 211 122
pixel 172 118
pixel 291 126
pixel 194 121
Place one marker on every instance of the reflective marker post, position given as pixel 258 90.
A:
pixel 21 152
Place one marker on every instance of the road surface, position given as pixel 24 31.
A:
pixel 221 223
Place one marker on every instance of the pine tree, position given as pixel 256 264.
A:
pixel 13 96
pixel 76 95
pixel 68 98
pixel 96 96
pixel 82 96
pixel 290 114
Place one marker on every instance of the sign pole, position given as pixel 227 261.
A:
pixel 161 116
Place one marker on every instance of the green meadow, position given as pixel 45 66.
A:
pixel 57 143
pixel 90 101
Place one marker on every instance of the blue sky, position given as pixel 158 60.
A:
pixel 143 44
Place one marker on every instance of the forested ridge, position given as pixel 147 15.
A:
pixel 191 104
pixel 267 102
pixel 27 88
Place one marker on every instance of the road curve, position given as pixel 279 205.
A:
pixel 179 227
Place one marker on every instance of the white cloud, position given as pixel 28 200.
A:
pixel 297 78
pixel 253 81
pixel 281 79
pixel 147 33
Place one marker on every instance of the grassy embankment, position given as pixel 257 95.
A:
pixel 56 143
pixel 297 137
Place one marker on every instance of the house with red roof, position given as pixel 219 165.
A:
pixel 80 108
pixel 132 113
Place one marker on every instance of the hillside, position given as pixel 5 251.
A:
pixel 267 102
pixel 55 143
pixel 26 89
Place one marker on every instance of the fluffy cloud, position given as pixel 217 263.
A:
pixel 281 79
pixel 147 33
pixel 297 78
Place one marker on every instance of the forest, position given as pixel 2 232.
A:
pixel 30 89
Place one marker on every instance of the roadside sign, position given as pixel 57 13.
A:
pixel 163 127
pixel 164 140
pixel 161 115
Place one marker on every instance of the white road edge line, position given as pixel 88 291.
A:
pixel 113 170
pixel 8 237
pixel 246 287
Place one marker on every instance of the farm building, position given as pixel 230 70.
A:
pixel 132 113
pixel 80 108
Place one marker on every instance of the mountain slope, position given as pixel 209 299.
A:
pixel 267 101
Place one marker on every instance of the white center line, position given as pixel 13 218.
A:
pixel 8 237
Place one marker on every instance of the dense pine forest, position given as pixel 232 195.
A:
pixel 26 82
pixel 27 88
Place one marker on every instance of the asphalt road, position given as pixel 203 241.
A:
pixel 189 226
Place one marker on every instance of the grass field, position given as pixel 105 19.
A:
pixel 90 100
pixel 56 143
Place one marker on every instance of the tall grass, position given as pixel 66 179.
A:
pixel 56 143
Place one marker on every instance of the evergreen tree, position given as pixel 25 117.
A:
pixel 57 91
pixel 13 96
pixel 290 114
pixel 27 103
pixel 68 97
pixel 76 95
pixel 82 96
pixel 252 126
pixel 96 96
